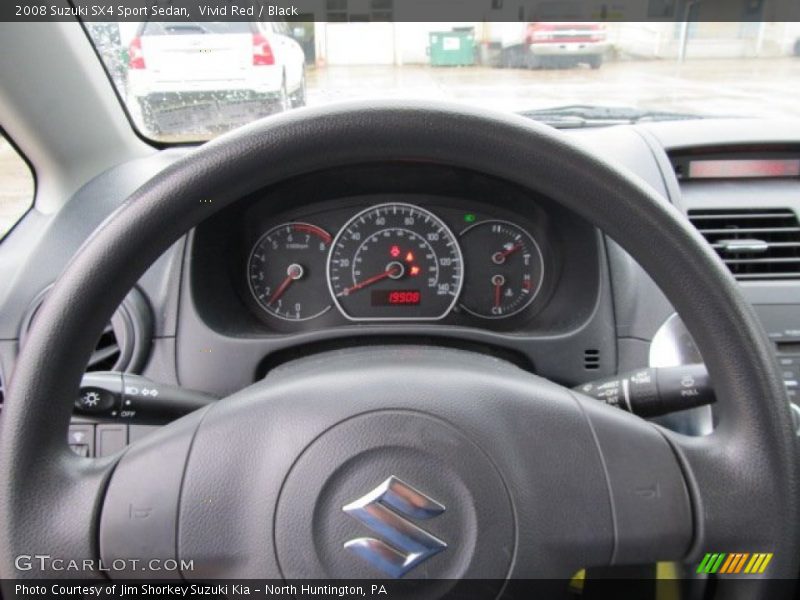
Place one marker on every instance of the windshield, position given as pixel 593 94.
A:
pixel 190 81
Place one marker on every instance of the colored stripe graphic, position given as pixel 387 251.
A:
pixel 729 563
pixel 734 562
pixel 701 568
pixel 759 562
pixel 711 562
pixel 767 558
pixel 740 564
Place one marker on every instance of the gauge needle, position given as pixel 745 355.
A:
pixel 390 272
pixel 498 281
pixel 281 288
pixel 508 251
pixel 293 273
pixel 499 257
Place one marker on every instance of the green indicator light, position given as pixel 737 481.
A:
pixel 470 218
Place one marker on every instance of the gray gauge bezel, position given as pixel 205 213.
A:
pixel 541 268
pixel 419 209
pixel 257 243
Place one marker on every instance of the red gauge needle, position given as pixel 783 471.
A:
pixel 281 288
pixel 394 270
pixel 293 273
pixel 499 257
pixel 513 248
pixel 498 281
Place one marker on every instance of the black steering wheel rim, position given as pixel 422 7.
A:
pixel 754 422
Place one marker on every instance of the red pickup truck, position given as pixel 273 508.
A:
pixel 554 44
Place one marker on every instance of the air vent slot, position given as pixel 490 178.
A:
pixel 756 244
pixel 125 342
pixel 107 354
pixel 2 391
pixel 591 360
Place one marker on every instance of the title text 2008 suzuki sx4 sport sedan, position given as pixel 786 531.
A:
pixel 349 305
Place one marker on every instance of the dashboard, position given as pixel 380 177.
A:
pixel 451 250
pixel 423 253
pixel 396 261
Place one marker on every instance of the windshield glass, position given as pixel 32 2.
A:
pixel 190 81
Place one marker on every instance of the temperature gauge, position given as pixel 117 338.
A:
pixel 503 269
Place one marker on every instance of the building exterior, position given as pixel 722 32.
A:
pixel 393 43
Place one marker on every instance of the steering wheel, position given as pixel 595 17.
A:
pixel 420 462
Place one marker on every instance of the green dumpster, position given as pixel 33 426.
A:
pixel 452 48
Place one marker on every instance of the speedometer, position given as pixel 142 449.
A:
pixel 395 261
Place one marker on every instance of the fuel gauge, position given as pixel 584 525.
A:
pixel 503 269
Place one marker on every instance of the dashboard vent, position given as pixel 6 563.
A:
pixel 756 244
pixel 107 354
pixel 124 344
pixel 591 360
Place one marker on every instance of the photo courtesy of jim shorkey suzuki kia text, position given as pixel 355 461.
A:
pixel 101 10
pixel 123 590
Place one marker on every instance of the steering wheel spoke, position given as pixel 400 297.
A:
pixel 138 532
pixel 725 480
pixel 56 531
pixel 651 499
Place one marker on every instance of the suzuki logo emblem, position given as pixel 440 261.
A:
pixel 386 510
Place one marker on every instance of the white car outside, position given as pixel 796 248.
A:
pixel 212 74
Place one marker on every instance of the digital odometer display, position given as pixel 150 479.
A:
pixel 395 297
pixel 395 261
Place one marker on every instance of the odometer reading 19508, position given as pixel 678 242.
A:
pixel 395 261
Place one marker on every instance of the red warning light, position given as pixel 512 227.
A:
pixel 409 257
pixel 415 270
pixel 394 251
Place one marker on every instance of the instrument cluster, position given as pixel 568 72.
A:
pixel 396 260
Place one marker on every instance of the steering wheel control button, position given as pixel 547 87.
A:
pixel 398 494
pixel 81 439
pixel 111 438
pixel 389 510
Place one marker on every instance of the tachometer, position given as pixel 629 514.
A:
pixel 505 269
pixel 286 271
pixel 395 261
